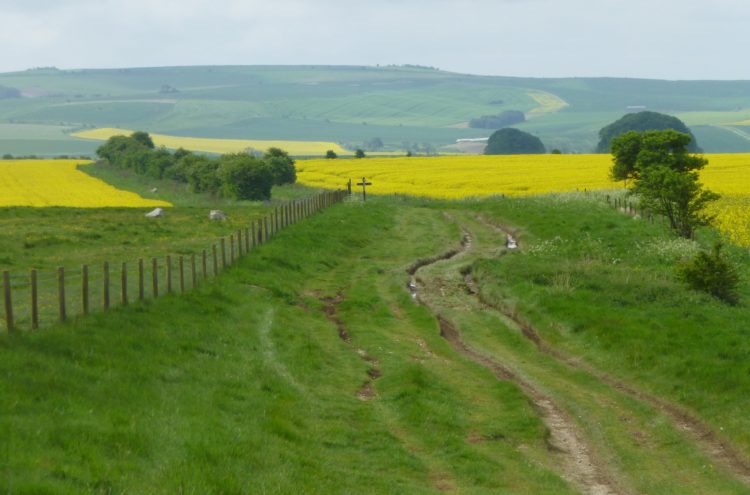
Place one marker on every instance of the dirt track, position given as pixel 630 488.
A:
pixel 580 463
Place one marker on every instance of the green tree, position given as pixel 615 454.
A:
pixel 360 153
pixel 282 166
pixel 144 138
pixel 331 154
pixel 665 176
pixel 511 141
pixel 643 121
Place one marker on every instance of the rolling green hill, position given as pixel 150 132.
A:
pixel 406 107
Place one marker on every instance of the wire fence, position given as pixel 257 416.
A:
pixel 42 297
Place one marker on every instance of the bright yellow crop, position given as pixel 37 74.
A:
pixel 295 148
pixel 519 175
pixel 463 176
pixel 548 103
pixel 60 183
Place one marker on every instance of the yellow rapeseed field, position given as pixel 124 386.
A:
pixel 208 145
pixel 455 177
pixel 548 103
pixel 60 183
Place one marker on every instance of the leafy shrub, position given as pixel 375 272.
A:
pixel 712 273
pixel 245 177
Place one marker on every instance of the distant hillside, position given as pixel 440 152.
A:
pixel 415 108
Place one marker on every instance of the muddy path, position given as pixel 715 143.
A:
pixel 580 463
pixel 718 450
pixel 366 390
pixel 566 439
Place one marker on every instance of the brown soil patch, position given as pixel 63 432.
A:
pixel 330 308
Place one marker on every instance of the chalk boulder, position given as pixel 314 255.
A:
pixel 217 215
pixel 155 213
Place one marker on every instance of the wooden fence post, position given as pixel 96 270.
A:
pixel 34 301
pixel 231 249
pixel 216 260
pixel 253 232
pixel 61 293
pixel 247 240
pixel 277 225
pixel 169 274
pixel 265 234
pixel 240 244
pixel 141 288
pixel 204 264
pixel 124 284
pixel 192 270
pixel 154 278
pixel 105 285
pixel 182 275
pixel 8 302
pixel 223 254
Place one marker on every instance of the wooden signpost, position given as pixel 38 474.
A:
pixel 364 185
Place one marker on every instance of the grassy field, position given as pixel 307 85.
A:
pixel 309 368
pixel 69 237
pixel 404 106
pixel 246 385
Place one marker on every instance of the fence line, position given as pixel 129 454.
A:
pixel 629 208
pixel 38 298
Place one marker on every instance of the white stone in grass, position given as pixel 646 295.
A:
pixel 155 213
pixel 217 215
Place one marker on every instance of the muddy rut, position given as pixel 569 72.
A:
pixel 330 308
pixel 718 450
pixel 566 439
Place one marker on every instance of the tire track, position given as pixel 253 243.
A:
pixel 330 308
pixel 566 439
pixel 718 450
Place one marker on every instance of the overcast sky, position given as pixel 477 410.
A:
pixel 667 39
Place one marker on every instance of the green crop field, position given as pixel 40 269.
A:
pixel 392 346
pixel 406 107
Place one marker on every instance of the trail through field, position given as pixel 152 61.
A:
pixel 718 450
pixel 609 436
